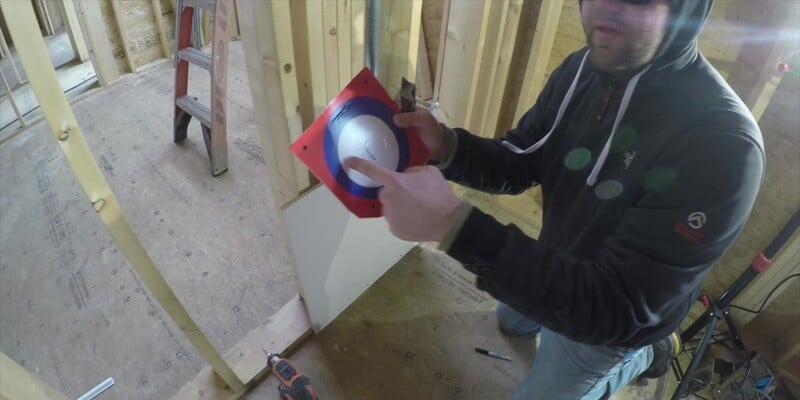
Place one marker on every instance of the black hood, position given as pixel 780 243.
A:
pixel 679 47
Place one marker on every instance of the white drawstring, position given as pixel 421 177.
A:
pixel 623 106
pixel 626 99
pixel 559 115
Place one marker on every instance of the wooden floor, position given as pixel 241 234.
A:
pixel 73 312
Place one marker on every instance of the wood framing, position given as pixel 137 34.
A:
pixel 291 96
pixel 116 9
pixel 490 75
pixel 74 30
pixel 458 54
pixel 100 51
pixel 10 94
pixel 16 383
pixel 539 55
pixel 166 46
pixel 7 53
pixel 263 71
pixel 755 75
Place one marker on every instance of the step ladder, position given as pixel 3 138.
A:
pixel 212 120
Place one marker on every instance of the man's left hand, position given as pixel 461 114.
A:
pixel 418 204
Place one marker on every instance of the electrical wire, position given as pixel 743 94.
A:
pixel 761 308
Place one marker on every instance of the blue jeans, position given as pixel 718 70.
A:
pixel 569 370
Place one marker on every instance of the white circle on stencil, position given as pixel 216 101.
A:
pixel 367 137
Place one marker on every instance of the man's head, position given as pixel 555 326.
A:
pixel 624 35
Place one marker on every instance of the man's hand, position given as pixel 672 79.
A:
pixel 418 204
pixel 428 129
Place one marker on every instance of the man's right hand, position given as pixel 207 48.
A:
pixel 428 129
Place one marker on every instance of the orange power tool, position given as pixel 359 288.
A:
pixel 293 385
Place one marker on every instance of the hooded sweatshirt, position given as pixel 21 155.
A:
pixel 646 183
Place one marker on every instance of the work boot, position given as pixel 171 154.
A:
pixel 664 351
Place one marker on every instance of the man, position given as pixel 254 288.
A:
pixel 649 165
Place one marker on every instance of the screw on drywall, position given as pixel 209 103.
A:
pixel 98 205
pixel 64 135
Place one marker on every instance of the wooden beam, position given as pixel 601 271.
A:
pixel 316 54
pixel 460 49
pixel 358 20
pixel 755 75
pixel 10 94
pixel 539 56
pixel 7 53
pixel 330 44
pixel 499 78
pixel 74 30
pixel 263 72
pixel 16 383
pixel 100 52
pixel 398 43
pixel 437 80
pixel 423 80
pixel 116 8
pixel 166 47
pixel 64 127
pixel 280 334
pixel 302 61
pixel 291 99
pixel 343 42
pixel 45 15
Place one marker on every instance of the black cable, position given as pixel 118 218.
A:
pixel 767 298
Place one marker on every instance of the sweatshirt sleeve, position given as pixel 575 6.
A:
pixel 484 164
pixel 694 205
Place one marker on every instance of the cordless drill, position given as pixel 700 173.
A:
pixel 293 385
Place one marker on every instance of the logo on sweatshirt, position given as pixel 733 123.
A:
pixel 689 229
pixel 696 220
pixel 629 156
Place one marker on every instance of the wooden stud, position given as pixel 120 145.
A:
pixel 10 95
pixel 437 81
pixel 398 43
pixel 116 8
pixel 44 13
pixel 501 67
pixel 343 42
pixel 162 33
pixel 16 383
pixel 100 52
pixel 492 23
pixel 33 54
pixel 291 99
pixel 755 76
pixel 330 42
pixel 302 62
pixel 281 333
pixel 10 56
pixel 263 71
pixel 423 80
pixel 539 55
pixel 460 48
pixel 316 55
pixel 74 29
pixel 358 19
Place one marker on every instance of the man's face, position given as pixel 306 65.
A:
pixel 622 36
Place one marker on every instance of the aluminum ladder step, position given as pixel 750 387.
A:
pixel 196 57
pixel 195 109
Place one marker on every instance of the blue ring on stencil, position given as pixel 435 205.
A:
pixel 339 117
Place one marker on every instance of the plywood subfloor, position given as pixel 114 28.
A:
pixel 412 335
pixel 71 308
